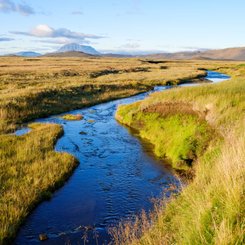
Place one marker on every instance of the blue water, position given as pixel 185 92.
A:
pixel 116 178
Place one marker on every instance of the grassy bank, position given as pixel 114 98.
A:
pixel 211 209
pixel 29 171
pixel 179 138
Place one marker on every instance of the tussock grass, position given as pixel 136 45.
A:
pixel 29 171
pixel 211 209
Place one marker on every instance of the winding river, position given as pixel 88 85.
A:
pixel 117 177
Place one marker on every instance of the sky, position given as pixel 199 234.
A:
pixel 121 25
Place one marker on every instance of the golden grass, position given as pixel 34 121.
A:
pixel 38 87
pixel 29 171
pixel 211 209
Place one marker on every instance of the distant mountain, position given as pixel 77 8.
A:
pixel 226 54
pixel 218 54
pixel 68 54
pixel 74 47
pixel 27 54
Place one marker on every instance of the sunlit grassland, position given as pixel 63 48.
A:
pixel 29 171
pixel 32 88
pixel 211 209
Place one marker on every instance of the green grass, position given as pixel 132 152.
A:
pixel 180 139
pixel 29 171
pixel 211 209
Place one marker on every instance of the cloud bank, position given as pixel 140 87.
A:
pixel 8 6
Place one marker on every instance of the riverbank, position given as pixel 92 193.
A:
pixel 179 135
pixel 210 210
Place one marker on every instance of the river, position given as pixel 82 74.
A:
pixel 117 177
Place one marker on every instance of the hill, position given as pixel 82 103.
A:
pixel 218 54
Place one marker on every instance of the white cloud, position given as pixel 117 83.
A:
pixel 45 31
pixel 42 31
pixel 7 6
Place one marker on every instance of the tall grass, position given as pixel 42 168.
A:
pixel 211 209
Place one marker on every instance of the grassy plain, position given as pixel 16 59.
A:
pixel 37 87
pixel 211 209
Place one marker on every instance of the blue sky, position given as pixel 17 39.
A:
pixel 121 25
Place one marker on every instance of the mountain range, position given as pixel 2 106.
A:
pixel 77 50
pixel 218 54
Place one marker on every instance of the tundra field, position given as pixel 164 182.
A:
pixel 210 210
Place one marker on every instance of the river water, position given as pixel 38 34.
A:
pixel 117 177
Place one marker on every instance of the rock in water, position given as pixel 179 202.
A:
pixel 83 133
pixel 43 237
